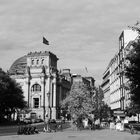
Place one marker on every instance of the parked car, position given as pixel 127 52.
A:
pixel 133 126
pixel 128 125
pixel 38 120
pixel 27 120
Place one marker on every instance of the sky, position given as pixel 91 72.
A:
pixel 82 33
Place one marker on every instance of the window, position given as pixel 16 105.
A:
pixel 122 41
pixel 36 102
pixel 52 92
pixel 42 61
pixel 32 62
pixel 36 87
pixel 37 61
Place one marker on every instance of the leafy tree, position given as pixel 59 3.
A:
pixel 132 109
pixel 11 96
pixel 101 110
pixel 105 112
pixel 133 70
pixel 83 100
pixel 79 102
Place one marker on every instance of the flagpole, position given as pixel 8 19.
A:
pixel 86 70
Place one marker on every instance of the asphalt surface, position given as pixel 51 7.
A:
pixel 70 134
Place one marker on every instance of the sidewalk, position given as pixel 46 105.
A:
pixel 105 134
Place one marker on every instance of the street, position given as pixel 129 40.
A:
pixel 68 134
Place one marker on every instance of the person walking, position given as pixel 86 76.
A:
pixel 46 123
pixel 61 123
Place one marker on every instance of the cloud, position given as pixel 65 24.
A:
pixel 81 32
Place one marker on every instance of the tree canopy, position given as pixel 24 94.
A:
pixel 101 110
pixel 133 70
pixel 79 102
pixel 11 96
pixel 84 100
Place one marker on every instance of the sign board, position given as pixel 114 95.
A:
pixel 119 113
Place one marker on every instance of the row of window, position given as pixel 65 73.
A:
pixel 115 105
pixel 115 96
pixel 37 62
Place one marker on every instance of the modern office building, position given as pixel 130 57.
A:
pixel 125 38
pixel 114 80
pixel 106 86
pixel 115 96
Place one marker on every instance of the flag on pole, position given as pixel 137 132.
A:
pixel 45 41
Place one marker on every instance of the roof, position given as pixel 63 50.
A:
pixel 19 66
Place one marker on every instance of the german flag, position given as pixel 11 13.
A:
pixel 45 41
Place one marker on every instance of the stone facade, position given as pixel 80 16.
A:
pixel 40 80
pixel 85 80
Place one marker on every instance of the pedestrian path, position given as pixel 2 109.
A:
pixel 104 134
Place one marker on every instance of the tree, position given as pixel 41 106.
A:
pixel 133 70
pixel 11 96
pixel 105 112
pixel 101 110
pixel 132 109
pixel 79 102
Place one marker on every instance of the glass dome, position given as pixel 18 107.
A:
pixel 19 66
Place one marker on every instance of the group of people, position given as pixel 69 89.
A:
pixel 50 125
pixel 86 123
pixel 27 130
pixel 118 124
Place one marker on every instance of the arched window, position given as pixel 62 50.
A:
pixel 36 87
pixel 42 61
pixel 37 61
pixel 32 62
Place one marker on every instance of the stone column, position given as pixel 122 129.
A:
pixel 60 98
pixel 29 93
pixel 54 99
pixel 49 96
pixel 28 82
pixel 60 94
pixel 44 109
